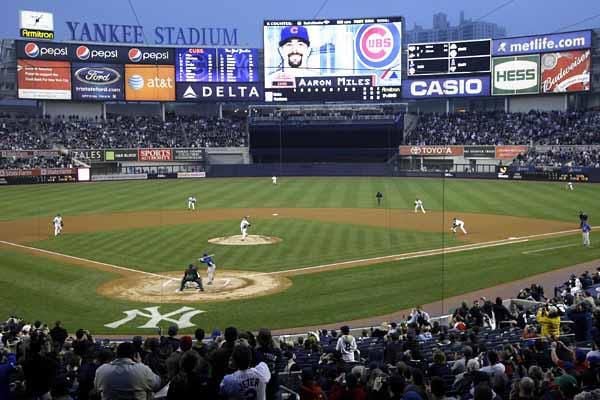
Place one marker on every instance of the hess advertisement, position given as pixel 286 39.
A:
pixel 49 80
pixel 99 82
pixel 354 59
pixel 516 75
pixel 568 71
pixel 150 82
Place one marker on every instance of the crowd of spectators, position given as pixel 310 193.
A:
pixel 500 128
pixel 545 348
pixel 60 161
pixel 72 132
pixel 560 157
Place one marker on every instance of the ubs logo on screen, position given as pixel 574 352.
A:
pixel 377 45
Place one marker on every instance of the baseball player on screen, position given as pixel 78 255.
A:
pixel 211 266
pixel 294 50
pixel 457 223
pixel 244 225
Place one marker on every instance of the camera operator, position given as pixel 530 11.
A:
pixel 548 316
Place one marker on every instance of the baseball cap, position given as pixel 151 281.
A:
pixel 566 382
pixel 294 32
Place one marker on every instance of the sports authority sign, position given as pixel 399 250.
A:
pixel 568 71
pixel 516 75
pixel 155 154
pixel 432 151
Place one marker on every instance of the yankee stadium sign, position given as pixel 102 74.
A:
pixel 161 35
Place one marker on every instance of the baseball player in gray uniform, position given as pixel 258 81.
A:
pixel 244 225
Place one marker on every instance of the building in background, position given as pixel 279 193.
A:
pixel 8 72
pixel 442 31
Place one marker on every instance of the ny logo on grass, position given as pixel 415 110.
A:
pixel 155 317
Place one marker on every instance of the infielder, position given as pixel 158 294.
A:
pixel 457 223
pixel 379 197
pixel 244 224
pixel 570 186
pixel 192 203
pixel 58 224
pixel 274 179
pixel 191 275
pixel 419 204
pixel 585 231
pixel 211 266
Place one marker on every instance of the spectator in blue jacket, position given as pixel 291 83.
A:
pixel 582 318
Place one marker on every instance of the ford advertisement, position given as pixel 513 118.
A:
pixel 542 43
pixel 97 82
pixel 446 87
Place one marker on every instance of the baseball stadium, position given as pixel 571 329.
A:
pixel 351 210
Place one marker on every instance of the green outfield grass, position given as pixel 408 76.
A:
pixel 39 288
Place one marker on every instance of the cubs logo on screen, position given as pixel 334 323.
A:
pixel 377 45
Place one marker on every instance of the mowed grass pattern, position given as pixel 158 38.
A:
pixel 533 199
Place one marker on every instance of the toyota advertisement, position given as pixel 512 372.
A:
pixel 44 80
pixel 348 59
pixel 566 72
pixel 97 82
pixel 446 87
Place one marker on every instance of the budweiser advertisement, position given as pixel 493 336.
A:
pixel 155 155
pixel 509 152
pixel 568 71
pixel 432 151
pixel 44 80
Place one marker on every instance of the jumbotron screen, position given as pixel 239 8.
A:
pixel 333 60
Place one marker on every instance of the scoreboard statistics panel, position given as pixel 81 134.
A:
pixel 357 59
pixel 462 57
pixel 222 65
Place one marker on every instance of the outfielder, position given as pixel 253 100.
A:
pixel 419 204
pixel 244 224
pixel 457 223
pixel 585 231
pixel 274 179
pixel 192 203
pixel 58 224
pixel 211 266
pixel 570 186
pixel 191 275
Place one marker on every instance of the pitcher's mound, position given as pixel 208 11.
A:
pixel 251 240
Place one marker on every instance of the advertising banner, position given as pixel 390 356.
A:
pixel 446 87
pixel 29 153
pixel 566 72
pixel 100 82
pixel 509 152
pixel 121 155
pixel 49 80
pixel 36 24
pixel 43 50
pixel 216 65
pixel 38 172
pixel 155 154
pixel 198 92
pixel 542 43
pixel 185 175
pixel 516 75
pixel 87 155
pixel 150 82
pixel 432 151
pixel 480 152
pixel 188 154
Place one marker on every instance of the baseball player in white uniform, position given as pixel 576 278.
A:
pixel 58 224
pixel 419 205
pixel 457 223
pixel 570 186
pixel 274 179
pixel 244 224
pixel 192 203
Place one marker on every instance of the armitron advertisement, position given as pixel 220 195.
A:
pixel 44 80
pixel 516 75
pixel 100 82
pixel 150 82
pixel 568 71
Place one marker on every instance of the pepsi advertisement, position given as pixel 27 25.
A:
pixel 94 53
pixel 333 60
pixel 223 65
pixel 97 82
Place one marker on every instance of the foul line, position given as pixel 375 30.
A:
pixel 85 260
pixel 548 249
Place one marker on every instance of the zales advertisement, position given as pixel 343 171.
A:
pixel 568 71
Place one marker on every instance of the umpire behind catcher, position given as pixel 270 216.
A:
pixel 191 275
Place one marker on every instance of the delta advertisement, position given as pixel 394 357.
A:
pixel 516 75
pixel 566 72
pixel 542 43
pixel 149 82
pixel 198 92
pixel 97 82
pixel 44 80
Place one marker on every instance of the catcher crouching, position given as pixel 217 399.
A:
pixel 191 275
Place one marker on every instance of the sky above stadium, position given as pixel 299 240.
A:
pixel 518 16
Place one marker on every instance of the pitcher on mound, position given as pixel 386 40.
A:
pixel 244 225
